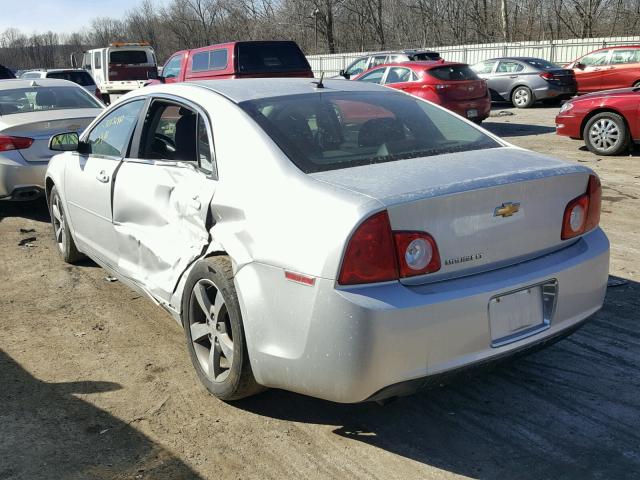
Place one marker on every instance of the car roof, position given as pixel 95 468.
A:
pixel 41 82
pixel 522 59
pixel 240 90
pixel 420 64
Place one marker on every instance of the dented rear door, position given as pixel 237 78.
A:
pixel 160 213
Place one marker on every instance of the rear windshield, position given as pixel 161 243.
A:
pixel 128 57
pixel 425 56
pixel 268 57
pixel 37 99
pixel 81 78
pixel 329 131
pixel 453 73
pixel 542 64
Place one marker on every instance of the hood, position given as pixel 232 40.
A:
pixel 607 93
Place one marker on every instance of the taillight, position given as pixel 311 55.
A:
pixel 14 143
pixel 548 76
pixel 370 255
pixel 417 253
pixel 582 214
pixel 377 254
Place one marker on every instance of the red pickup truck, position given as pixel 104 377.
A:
pixel 249 59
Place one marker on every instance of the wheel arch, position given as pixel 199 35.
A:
pixel 518 85
pixel 48 186
pixel 595 112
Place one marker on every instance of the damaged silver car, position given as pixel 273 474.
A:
pixel 337 239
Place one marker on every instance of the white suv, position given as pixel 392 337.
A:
pixel 75 75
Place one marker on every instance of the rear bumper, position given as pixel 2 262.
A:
pixel 350 345
pixel 555 91
pixel 20 180
pixel 464 108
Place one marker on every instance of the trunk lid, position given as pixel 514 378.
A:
pixel 560 76
pixel 463 90
pixel 463 201
pixel 42 125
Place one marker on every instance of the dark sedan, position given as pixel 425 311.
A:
pixel 526 80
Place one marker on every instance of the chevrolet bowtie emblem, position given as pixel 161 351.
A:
pixel 506 209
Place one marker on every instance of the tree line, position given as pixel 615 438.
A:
pixel 328 26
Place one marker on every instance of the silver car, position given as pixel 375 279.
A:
pixel 525 80
pixel 31 111
pixel 339 239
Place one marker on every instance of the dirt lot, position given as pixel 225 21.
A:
pixel 95 382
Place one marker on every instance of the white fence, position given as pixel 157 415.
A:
pixel 558 51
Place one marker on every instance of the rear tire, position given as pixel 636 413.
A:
pixel 606 134
pixel 216 340
pixel 61 233
pixel 522 97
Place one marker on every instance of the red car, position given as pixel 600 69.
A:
pixel 452 85
pixel 237 60
pixel 607 121
pixel 608 68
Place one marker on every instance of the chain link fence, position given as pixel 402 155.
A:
pixel 557 51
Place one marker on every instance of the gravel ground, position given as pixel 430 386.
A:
pixel 96 381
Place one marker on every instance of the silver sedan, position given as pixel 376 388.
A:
pixel 341 240
pixel 31 111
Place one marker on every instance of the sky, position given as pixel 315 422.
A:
pixel 60 16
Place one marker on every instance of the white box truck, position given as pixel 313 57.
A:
pixel 120 67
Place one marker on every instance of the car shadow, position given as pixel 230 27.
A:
pixel 33 210
pixel 516 129
pixel 569 411
pixel 47 432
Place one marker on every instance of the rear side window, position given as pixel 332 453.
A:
pixel 484 67
pixel 212 60
pixel 509 67
pixel 269 57
pixel 425 56
pixel 453 73
pixel 620 57
pixel 81 78
pixel 128 57
pixel 337 130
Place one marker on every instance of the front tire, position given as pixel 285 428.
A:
pixel 61 232
pixel 606 134
pixel 214 331
pixel 522 97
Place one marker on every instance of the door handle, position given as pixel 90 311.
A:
pixel 102 177
pixel 513 76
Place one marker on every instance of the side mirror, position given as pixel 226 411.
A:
pixel 579 65
pixel 344 74
pixel 64 142
pixel 152 75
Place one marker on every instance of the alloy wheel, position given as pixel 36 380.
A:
pixel 521 97
pixel 210 329
pixel 604 134
pixel 58 221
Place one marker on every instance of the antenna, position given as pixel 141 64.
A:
pixel 319 83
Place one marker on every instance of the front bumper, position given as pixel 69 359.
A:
pixel 19 179
pixel 568 125
pixel 348 345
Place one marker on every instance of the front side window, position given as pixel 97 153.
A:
pixel 172 67
pixel 621 57
pixel 346 129
pixel 357 67
pixel 509 67
pixel 595 59
pixel 112 135
pixel 36 99
pixel 373 77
